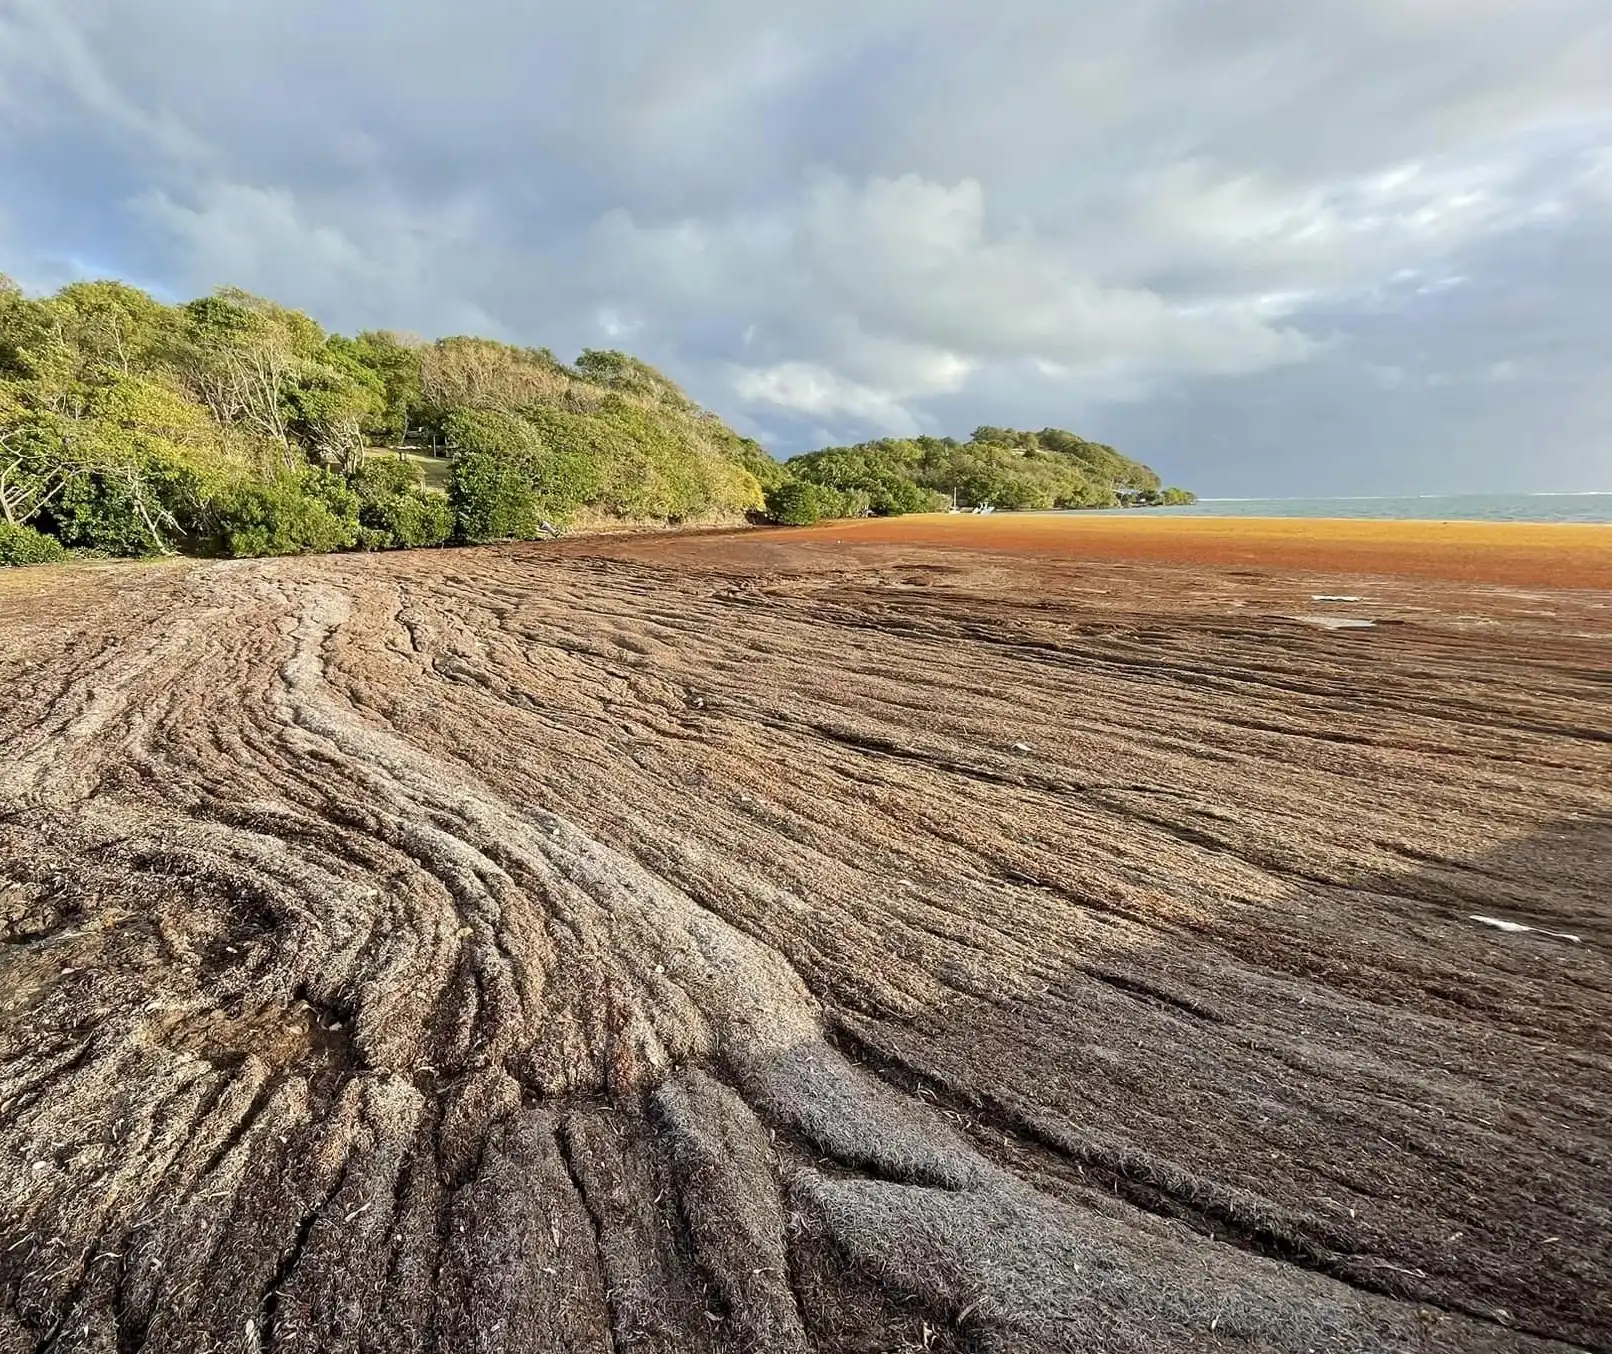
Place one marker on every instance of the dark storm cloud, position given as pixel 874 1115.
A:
pixel 1329 247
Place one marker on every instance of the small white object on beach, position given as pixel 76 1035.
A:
pixel 1514 926
pixel 1331 597
pixel 1021 747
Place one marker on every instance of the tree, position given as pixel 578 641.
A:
pixel 751 456
pixel 475 373
pixel 235 424
pixel 113 325
pixel 628 375
pixel 332 399
pixel 394 361
pixel 239 361
pixel 30 479
pixel 493 477
pixel 92 482
pixel 1002 467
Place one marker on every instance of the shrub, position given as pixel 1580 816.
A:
pixel 844 502
pixel 140 504
pixel 492 480
pixel 100 485
pixel 795 504
pixel 568 458
pixel 491 497
pixel 658 463
pixel 24 545
pixel 291 514
pixel 394 511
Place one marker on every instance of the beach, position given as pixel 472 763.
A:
pixel 1564 555
pixel 938 933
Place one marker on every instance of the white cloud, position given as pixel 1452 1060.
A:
pixel 896 379
pixel 901 288
pixel 807 388
pixel 1345 225
pixel 616 325
pixel 1595 179
pixel 917 261
pixel 266 240
pixel 40 40
pixel 237 231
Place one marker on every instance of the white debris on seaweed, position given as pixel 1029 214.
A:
pixel 1513 926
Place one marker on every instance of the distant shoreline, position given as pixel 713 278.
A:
pixel 1542 508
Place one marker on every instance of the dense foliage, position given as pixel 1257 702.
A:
pixel 997 467
pixel 231 425
pixel 24 545
pixel 799 503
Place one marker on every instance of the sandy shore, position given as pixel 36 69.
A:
pixel 1521 554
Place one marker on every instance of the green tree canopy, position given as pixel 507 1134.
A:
pixel 236 425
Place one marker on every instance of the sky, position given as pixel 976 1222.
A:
pixel 1271 248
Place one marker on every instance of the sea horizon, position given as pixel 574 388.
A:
pixel 1544 506
pixel 1350 498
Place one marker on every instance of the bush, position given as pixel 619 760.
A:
pixel 568 459
pixel 491 497
pixel 493 478
pixel 139 506
pixel 511 472
pixel 837 503
pixel 394 511
pixel 795 504
pixel 99 485
pixel 886 482
pixel 24 545
pixel 292 514
pixel 657 463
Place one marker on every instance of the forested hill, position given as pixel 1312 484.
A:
pixel 998 467
pixel 233 426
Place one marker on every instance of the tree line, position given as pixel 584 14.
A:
pixel 233 426
pixel 1000 468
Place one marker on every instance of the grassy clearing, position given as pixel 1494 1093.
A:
pixel 433 469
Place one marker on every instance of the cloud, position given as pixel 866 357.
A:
pixel 807 388
pixel 267 241
pixel 900 289
pixel 41 41
pixel 1208 235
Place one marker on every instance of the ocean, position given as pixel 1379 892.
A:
pixel 1423 507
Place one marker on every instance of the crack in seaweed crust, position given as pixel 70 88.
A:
pixel 659 946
